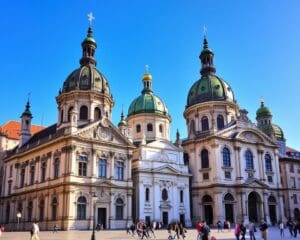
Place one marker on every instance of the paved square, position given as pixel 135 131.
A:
pixel 121 235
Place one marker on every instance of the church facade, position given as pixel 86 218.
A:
pixel 84 167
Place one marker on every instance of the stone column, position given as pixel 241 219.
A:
pixel 129 207
pixel 112 167
pixel 237 150
pixel 49 166
pixel 219 208
pixel 260 165
pixel 266 207
pixel 94 163
pixel 38 169
pixel 129 159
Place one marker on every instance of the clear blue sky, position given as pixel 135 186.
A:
pixel 256 45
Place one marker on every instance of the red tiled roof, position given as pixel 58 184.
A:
pixel 289 149
pixel 12 129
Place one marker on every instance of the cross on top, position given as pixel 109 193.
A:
pixel 91 18
pixel 147 68
pixel 204 30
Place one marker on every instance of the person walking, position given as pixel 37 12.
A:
pixel 237 231
pixel 219 225
pixel 290 226
pixel 199 230
pixel 35 231
pixel 252 231
pixel 243 230
pixel 264 230
pixel 281 228
pixel 55 228
pixel 182 231
pixel 205 231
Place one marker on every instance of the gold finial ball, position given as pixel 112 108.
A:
pixel 147 76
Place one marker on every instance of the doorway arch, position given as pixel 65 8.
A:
pixel 272 209
pixel 229 209
pixel 208 209
pixel 254 206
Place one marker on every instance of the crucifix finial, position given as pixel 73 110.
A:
pixel 147 68
pixel 91 18
pixel 204 31
pixel 28 96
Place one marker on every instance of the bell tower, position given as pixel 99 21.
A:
pixel 25 125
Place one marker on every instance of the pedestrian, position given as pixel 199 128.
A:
pixel 228 224
pixel 242 230
pixel 237 231
pixel 35 231
pixel 182 231
pixel 295 228
pixel 281 228
pixel 199 230
pixel 264 230
pixel 177 230
pixel 252 231
pixel 128 228
pixel 205 231
pixel 55 228
pixel 219 225
pixel 290 226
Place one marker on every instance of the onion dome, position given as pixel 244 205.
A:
pixel 27 111
pixel 209 87
pixel 148 102
pixel 263 111
pixel 87 77
pixel 273 130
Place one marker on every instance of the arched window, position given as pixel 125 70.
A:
pixel 119 209
pixel 249 160
pixel 228 197
pixel 29 211
pixel 204 123
pixel 83 113
pixel 160 128
pixel 69 113
pixel 61 116
pixel 138 128
pixel 41 210
pixel 272 200
pixel 56 167
pixel 268 163
pixel 54 208
pixel 226 157
pixel 149 127
pixel 220 122
pixel 164 194
pixel 81 208
pixel 204 159
pixel 97 114
pixel 207 199
pixel 147 194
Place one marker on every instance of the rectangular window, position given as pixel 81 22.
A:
pixel 32 172
pixel 43 171
pixel 22 177
pixel 102 168
pixel 119 212
pixel 9 188
pixel 270 179
pixel 227 174
pixel 82 166
pixel 293 182
pixel 10 170
pixel 295 199
pixel 291 167
pixel 119 170
pixel 205 176
pixel 181 196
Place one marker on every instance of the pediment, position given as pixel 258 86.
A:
pixel 103 130
pixel 163 144
pixel 254 136
pixel 254 182
pixel 167 169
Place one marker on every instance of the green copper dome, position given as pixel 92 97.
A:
pixel 209 88
pixel 272 130
pixel 263 111
pixel 147 102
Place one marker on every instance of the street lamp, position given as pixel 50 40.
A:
pixel 94 220
pixel 19 215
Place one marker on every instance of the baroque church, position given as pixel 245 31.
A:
pixel 84 167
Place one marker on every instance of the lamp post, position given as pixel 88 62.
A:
pixel 94 220
pixel 19 215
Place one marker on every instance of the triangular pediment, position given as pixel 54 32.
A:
pixel 163 144
pixel 252 135
pixel 103 130
pixel 167 169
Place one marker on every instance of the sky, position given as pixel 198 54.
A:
pixel 256 46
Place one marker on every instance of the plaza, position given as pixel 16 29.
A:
pixel 121 235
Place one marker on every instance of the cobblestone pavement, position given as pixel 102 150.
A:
pixel 121 235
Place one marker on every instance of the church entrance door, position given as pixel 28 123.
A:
pixel 272 211
pixel 208 214
pixel 102 217
pixel 229 212
pixel 253 207
pixel 165 217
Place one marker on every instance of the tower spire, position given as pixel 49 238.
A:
pixel 147 80
pixel 89 45
pixel 207 57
